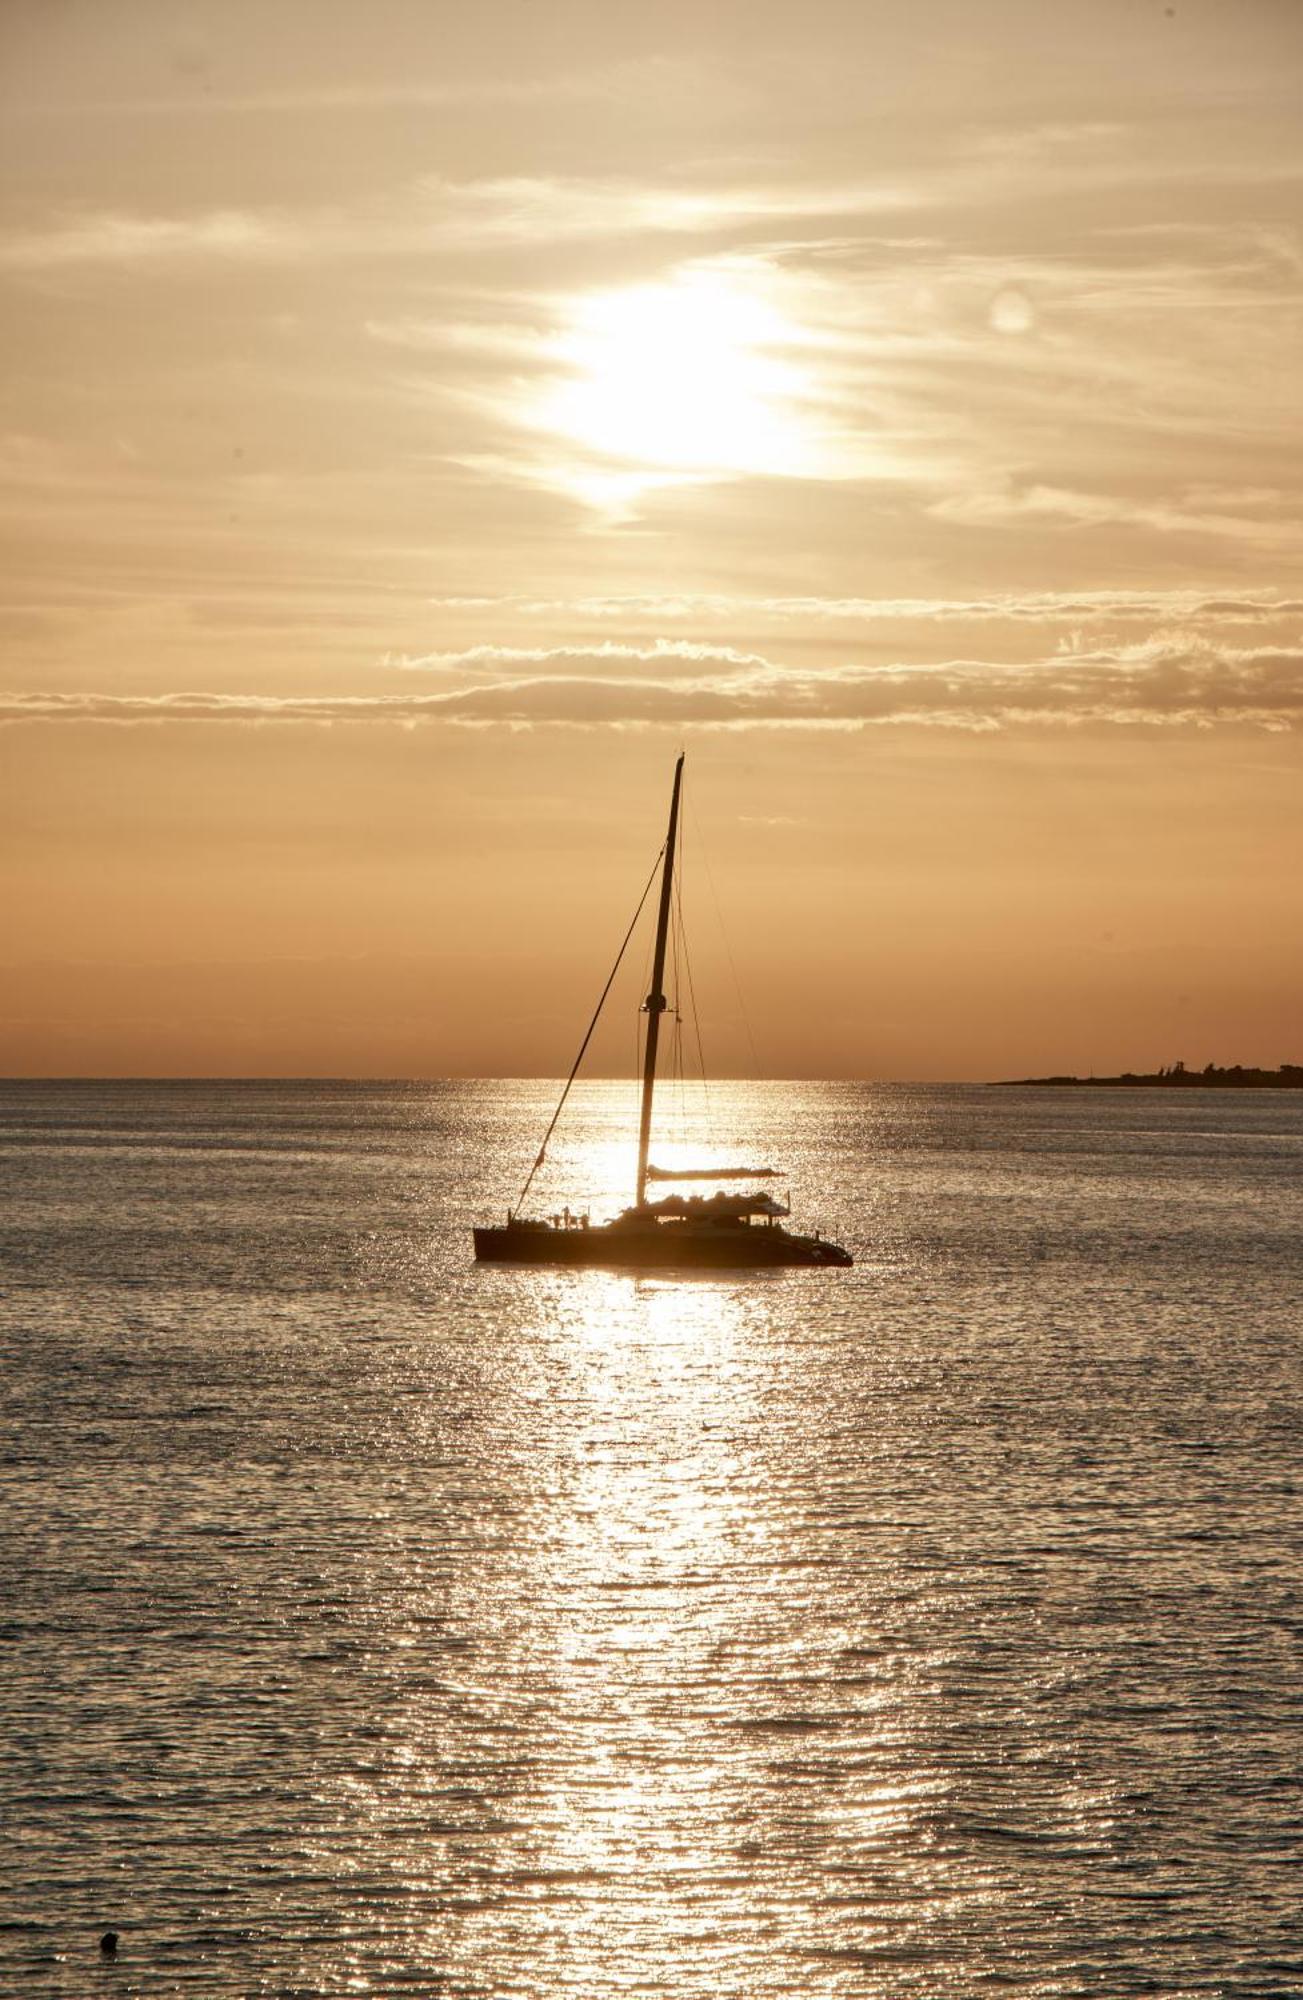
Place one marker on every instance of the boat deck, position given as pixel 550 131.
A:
pixel 649 1243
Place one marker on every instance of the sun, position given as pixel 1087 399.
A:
pixel 694 378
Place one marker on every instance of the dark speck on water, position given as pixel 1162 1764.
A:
pixel 378 1623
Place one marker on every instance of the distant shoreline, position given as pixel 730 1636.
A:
pixel 1288 1077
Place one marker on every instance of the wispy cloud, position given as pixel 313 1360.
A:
pixel 1010 505
pixel 1036 607
pixel 670 657
pixel 1031 398
pixel 525 208
pixel 1169 679
pixel 118 238
pixel 1005 380
pixel 436 213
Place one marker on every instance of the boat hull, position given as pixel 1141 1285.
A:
pixel 656 1247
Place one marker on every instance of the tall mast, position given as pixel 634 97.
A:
pixel 654 1005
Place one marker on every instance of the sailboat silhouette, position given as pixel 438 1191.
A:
pixel 720 1231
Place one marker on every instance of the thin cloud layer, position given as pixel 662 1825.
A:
pixel 1167 680
pixel 1039 608
pixel 437 214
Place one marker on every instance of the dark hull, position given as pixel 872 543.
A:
pixel 658 1247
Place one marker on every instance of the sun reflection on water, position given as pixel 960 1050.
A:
pixel 645 1708
pixel 637 1605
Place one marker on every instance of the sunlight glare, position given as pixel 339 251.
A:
pixel 691 376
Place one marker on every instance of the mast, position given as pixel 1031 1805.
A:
pixel 654 1005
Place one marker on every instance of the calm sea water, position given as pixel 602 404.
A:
pixel 374 1623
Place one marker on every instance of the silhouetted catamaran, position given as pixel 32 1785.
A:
pixel 714 1232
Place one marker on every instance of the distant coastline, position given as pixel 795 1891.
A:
pixel 1288 1077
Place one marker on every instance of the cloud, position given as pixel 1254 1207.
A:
pixel 521 208
pixel 955 370
pixel 1011 505
pixel 1036 607
pixel 1005 380
pixel 610 659
pixel 112 238
pixel 1166 680
pixel 433 214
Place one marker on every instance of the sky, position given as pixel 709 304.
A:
pixel 418 423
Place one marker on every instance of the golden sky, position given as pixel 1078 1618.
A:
pixel 420 421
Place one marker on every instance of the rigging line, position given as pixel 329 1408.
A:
pixel 676 935
pixel 589 1036
pixel 696 1024
pixel 640 1015
pixel 728 948
pixel 680 944
pixel 685 1115
pixel 692 1003
pixel 692 998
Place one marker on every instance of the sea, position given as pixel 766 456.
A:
pixel 376 1623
